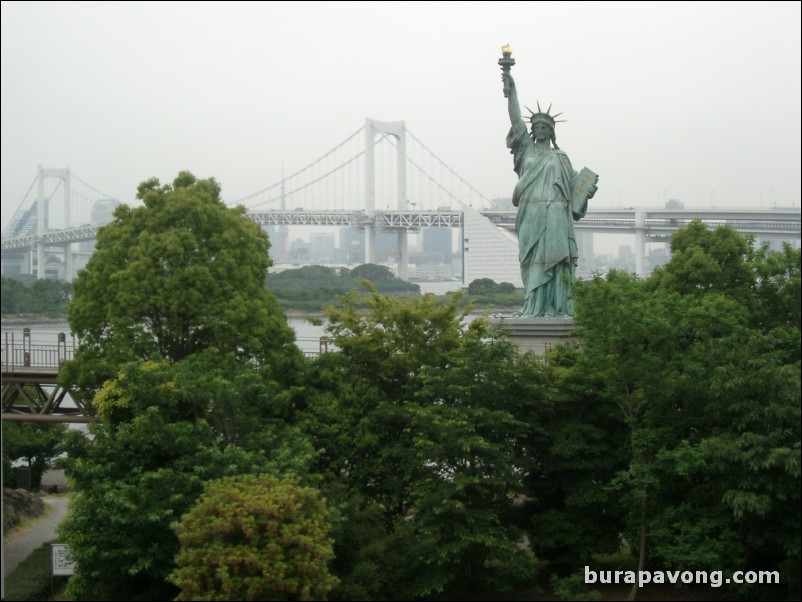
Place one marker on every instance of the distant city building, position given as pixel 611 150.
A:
pixel 675 204
pixel 351 249
pixel 322 247
pixel 584 244
pixel 103 211
pixel 626 258
pixel 386 245
pixel 23 223
pixel 299 251
pixel 437 242
pixel 279 243
pixel 657 258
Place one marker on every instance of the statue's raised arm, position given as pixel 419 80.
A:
pixel 510 93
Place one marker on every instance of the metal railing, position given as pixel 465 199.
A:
pixel 22 354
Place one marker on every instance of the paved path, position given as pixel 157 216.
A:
pixel 21 543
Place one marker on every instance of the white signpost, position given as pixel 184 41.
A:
pixel 63 563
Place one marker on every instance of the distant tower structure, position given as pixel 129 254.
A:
pixel 438 240
pixel 103 211
pixel 584 245
pixel 398 130
pixel 42 217
pixel 351 249
pixel 322 244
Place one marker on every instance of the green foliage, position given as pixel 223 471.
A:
pixel 486 286
pixel 313 287
pixel 177 276
pixel 190 363
pixel 702 363
pixel 422 421
pixel 32 579
pixel 484 292
pixel 134 481
pixel 43 297
pixel 168 428
pixel 373 273
pixel 573 588
pixel 581 444
pixel 37 444
pixel 254 538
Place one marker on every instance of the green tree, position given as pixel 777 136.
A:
pixel 422 421
pixel 167 428
pixel 181 274
pixel 373 273
pixel 45 297
pixel 254 538
pixel 192 367
pixel 16 298
pixel 571 518
pixel 706 382
pixel 37 444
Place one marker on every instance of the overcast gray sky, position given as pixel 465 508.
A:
pixel 695 101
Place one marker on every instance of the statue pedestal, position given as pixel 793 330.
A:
pixel 535 334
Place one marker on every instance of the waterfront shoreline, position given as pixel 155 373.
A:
pixel 15 319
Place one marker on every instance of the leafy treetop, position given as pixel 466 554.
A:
pixel 181 274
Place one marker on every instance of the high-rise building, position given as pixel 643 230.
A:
pixel 352 246
pixel 103 211
pixel 279 243
pixel 437 242
pixel 322 247
pixel 584 244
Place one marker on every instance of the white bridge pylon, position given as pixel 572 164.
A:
pixel 398 130
pixel 41 228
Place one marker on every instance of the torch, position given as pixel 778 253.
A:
pixel 506 62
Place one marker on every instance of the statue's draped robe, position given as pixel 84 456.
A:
pixel 546 241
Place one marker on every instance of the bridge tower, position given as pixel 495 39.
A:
pixel 42 216
pixel 398 130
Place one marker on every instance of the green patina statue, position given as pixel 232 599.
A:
pixel 549 196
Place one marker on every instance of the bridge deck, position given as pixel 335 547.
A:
pixel 30 371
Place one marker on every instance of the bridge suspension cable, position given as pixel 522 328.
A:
pixel 308 184
pixel 427 175
pixel 25 196
pixel 100 192
pixel 338 182
pixel 302 170
pixel 439 160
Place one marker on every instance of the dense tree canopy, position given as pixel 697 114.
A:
pixel 37 444
pixel 702 363
pixel 450 462
pixel 44 297
pixel 254 538
pixel 174 277
pixel 422 421
pixel 167 429
pixel 191 365
pixel 314 287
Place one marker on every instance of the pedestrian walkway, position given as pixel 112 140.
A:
pixel 21 543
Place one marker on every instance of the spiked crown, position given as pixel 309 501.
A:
pixel 543 117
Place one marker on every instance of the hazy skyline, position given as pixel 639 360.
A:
pixel 694 101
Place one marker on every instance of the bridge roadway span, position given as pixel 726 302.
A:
pixel 655 225
pixel 30 370
pixel 31 392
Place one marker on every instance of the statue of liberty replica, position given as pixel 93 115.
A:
pixel 549 196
